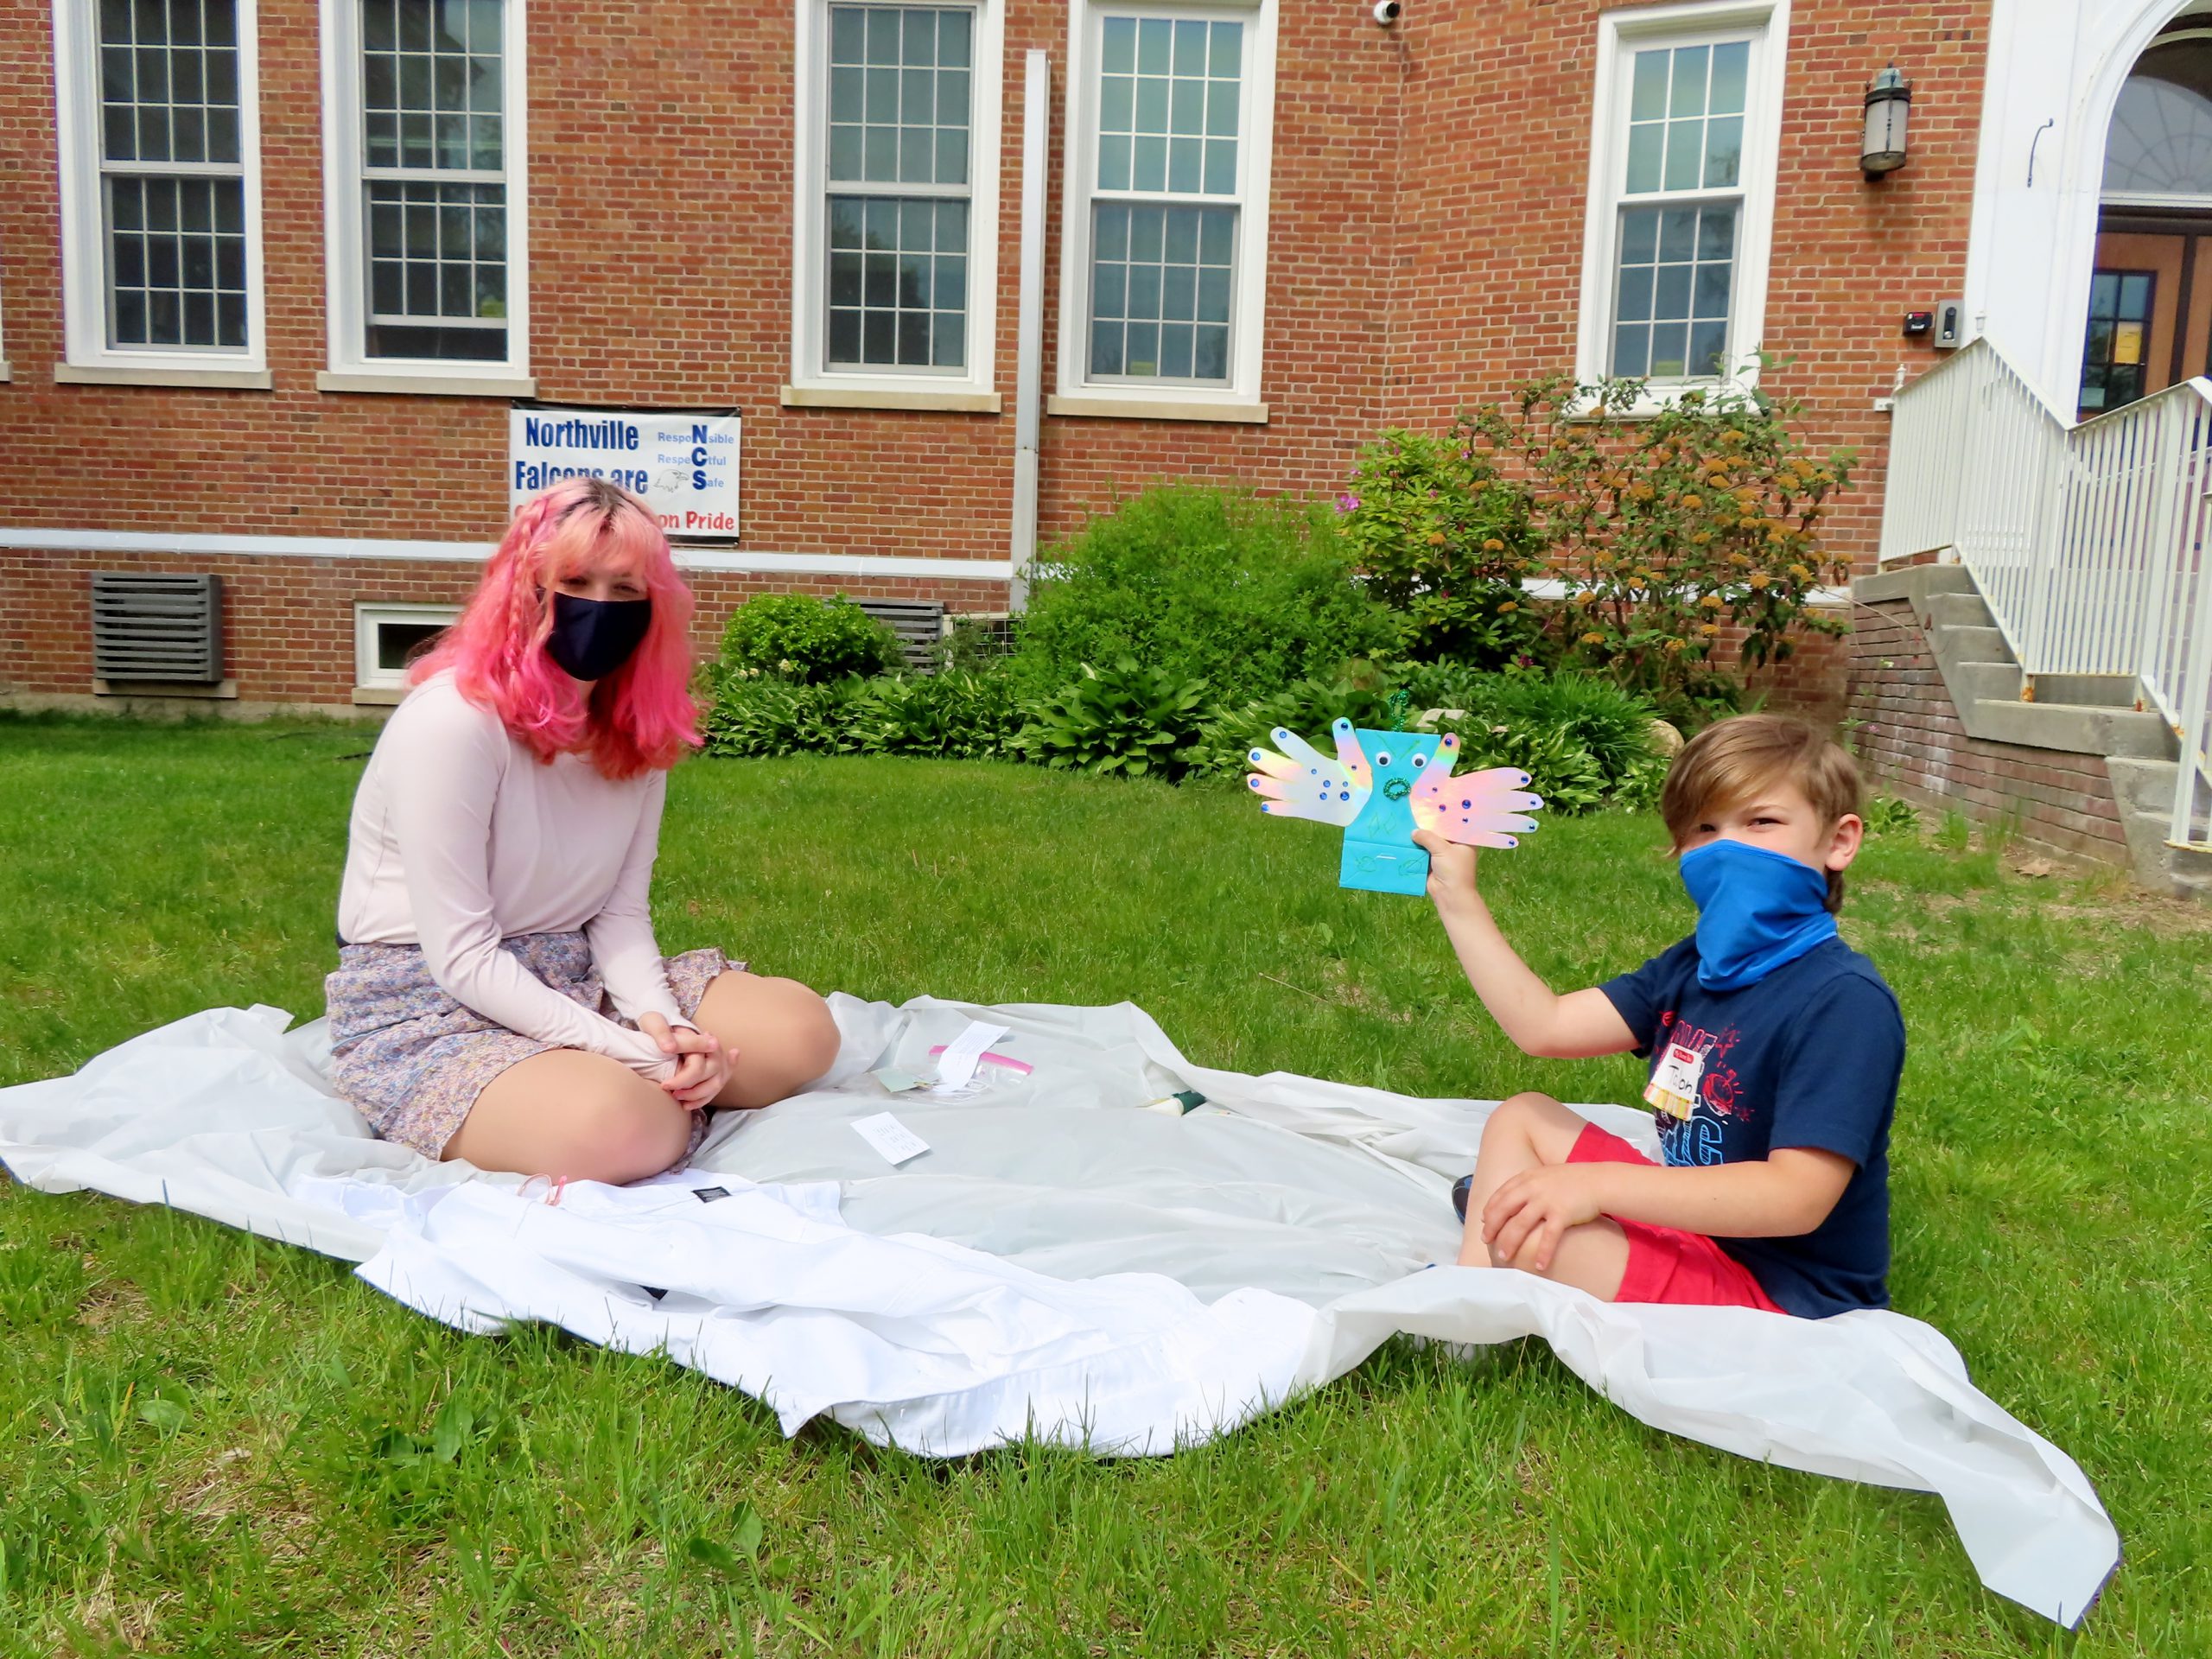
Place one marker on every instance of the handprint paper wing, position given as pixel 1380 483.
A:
pixel 1303 783
pixel 1476 809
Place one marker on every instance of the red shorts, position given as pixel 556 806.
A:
pixel 1666 1264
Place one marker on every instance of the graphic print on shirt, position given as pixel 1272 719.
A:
pixel 1693 1090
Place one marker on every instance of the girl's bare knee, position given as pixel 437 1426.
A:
pixel 814 1036
pixel 626 1138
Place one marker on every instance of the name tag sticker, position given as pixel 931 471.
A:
pixel 1673 1088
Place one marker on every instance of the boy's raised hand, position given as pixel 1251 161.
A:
pixel 1451 869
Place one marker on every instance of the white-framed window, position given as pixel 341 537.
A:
pixel 387 638
pixel 1681 219
pixel 1164 247
pixel 424 201
pixel 894 243
pixel 159 138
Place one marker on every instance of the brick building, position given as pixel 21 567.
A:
pixel 276 276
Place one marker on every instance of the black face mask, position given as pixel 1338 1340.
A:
pixel 592 637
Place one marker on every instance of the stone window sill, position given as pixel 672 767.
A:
pixel 72 374
pixel 948 402
pixel 1157 408
pixel 428 385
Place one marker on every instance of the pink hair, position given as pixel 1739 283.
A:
pixel 641 716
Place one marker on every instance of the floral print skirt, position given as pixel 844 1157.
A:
pixel 412 1060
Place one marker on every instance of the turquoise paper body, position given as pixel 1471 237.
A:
pixel 1379 853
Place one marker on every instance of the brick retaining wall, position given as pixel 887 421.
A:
pixel 1910 742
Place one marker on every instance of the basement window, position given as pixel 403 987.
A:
pixel 387 638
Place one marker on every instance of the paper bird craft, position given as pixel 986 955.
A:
pixel 1384 786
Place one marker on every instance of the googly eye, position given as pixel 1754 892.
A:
pixel 1420 761
pixel 1382 760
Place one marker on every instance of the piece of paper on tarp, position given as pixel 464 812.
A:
pixel 1063 1264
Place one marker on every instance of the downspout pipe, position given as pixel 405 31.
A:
pixel 1029 346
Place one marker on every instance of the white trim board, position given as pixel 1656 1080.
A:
pixel 340 547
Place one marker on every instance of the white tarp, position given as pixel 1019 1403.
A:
pixel 1059 1264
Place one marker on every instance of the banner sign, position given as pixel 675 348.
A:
pixel 683 466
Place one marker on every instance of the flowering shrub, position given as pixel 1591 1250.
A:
pixel 1668 529
pixel 1445 541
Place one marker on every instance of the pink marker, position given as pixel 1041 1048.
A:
pixel 1020 1068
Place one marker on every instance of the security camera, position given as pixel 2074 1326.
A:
pixel 1386 12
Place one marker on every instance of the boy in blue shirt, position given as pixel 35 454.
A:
pixel 1775 1050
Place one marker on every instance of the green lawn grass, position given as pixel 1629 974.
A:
pixel 216 1444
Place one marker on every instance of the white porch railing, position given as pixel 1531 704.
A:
pixel 2088 542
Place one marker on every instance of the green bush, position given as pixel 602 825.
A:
pixel 964 716
pixel 755 715
pixel 1669 529
pixel 1202 583
pixel 953 713
pixel 810 640
pixel 1583 742
pixel 1129 719
pixel 1445 541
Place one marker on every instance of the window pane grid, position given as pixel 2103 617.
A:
pixel 1685 118
pixel 430 84
pixel 169 81
pixel 1671 299
pixel 901 95
pixel 437 269
pixel 898 284
pixel 1170 95
pixel 172 189
pixel 2114 357
pixel 1161 281
pixel 1164 221
pixel 900 82
pixel 434 178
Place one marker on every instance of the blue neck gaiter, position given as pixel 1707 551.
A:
pixel 1756 909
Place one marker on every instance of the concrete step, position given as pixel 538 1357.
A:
pixel 2098 691
pixel 1913 582
pixel 2140 785
pixel 2184 872
pixel 1983 682
pixel 2080 729
pixel 1959 611
pixel 1962 645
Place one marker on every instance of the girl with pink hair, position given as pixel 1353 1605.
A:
pixel 500 997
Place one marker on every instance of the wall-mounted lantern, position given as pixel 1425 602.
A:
pixel 1883 148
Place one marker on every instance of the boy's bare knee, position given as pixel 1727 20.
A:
pixel 1530 1103
pixel 1518 1115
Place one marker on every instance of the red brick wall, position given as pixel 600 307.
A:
pixel 1493 176
pixel 1910 742
pixel 1425 246
pixel 288 623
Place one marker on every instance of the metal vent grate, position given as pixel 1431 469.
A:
pixel 919 624
pixel 157 627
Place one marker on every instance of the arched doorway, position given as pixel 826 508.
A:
pixel 2150 312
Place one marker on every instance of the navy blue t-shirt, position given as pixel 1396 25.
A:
pixel 1807 1057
